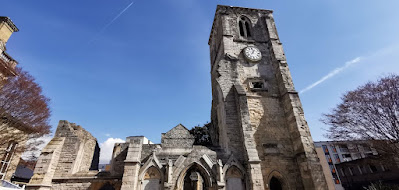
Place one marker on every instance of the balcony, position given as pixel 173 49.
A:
pixel 7 65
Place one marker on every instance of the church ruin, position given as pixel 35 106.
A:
pixel 260 139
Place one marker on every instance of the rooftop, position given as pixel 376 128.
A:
pixel 9 22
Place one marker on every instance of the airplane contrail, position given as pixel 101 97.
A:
pixel 112 21
pixel 331 74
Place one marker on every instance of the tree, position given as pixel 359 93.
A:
pixel 23 107
pixel 370 112
pixel 201 135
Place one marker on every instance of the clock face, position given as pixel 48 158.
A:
pixel 252 54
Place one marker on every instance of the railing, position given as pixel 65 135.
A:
pixel 8 62
pixel 9 185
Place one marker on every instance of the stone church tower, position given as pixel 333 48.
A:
pixel 256 112
pixel 260 139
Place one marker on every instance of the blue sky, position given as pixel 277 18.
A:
pixel 148 70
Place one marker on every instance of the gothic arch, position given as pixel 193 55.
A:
pixel 244 27
pixel 152 179
pixel 195 166
pixel 234 179
pixel 232 161
pixel 150 174
pixel 275 175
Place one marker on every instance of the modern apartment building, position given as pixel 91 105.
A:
pixel 336 152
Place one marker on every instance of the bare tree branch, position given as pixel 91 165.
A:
pixel 369 112
pixel 24 110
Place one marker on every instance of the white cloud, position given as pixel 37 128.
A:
pixel 106 149
pixel 107 135
pixel 331 74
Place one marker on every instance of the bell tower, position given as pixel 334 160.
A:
pixel 257 116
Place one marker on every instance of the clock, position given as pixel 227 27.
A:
pixel 252 54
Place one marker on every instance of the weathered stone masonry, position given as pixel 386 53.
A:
pixel 260 139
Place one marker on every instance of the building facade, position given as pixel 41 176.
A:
pixel 360 173
pixel 11 138
pixel 260 138
pixel 7 63
pixel 337 152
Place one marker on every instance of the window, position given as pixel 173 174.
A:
pixel 333 148
pixel 356 156
pixel 257 84
pixel 346 157
pixel 245 27
pixel 343 148
pixel 325 148
pixel 329 160
pixel 337 158
pixel 332 169
pixel 7 158
pixel 336 181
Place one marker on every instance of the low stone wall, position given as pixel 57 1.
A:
pixel 86 183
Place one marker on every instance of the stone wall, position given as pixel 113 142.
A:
pixel 87 183
pixel 78 149
pixel 179 136
pixel 72 153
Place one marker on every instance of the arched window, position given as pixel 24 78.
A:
pixel 152 179
pixel 275 184
pixel 5 162
pixel 195 179
pixel 244 25
pixel 234 179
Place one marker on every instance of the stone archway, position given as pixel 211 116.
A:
pixel 276 181
pixel 194 181
pixel 194 177
pixel 152 179
pixel 234 179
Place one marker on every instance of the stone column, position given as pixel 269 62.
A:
pixel 132 163
pixel 221 182
pixel 168 184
